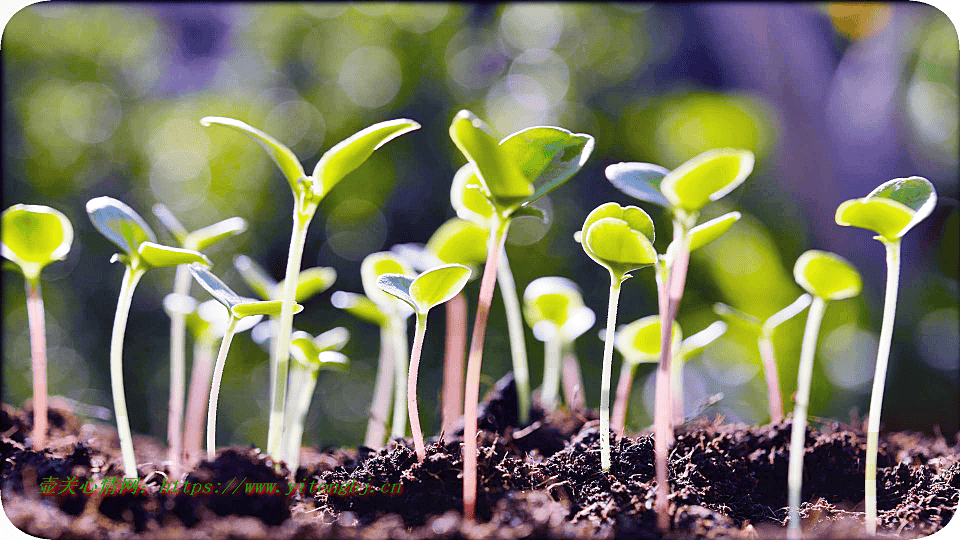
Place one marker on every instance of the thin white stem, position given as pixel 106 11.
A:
pixel 572 380
pixel 606 372
pixel 453 360
pixel 215 388
pixel 130 279
pixel 879 379
pixel 382 388
pixel 295 381
pixel 518 346
pixel 38 355
pixel 799 429
pixel 306 384
pixel 414 411
pixel 197 396
pixel 401 355
pixel 178 368
pixel 550 391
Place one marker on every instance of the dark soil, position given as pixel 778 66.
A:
pixel 539 480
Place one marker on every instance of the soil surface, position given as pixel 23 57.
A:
pixel 542 480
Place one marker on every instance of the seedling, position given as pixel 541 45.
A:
pixel 513 173
pixel 890 210
pixel 365 309
pixel 429 289
pixel 764 333
pixel 197 240
pixel 689 348
pixel 311 355
pixel 621 240
pixel 237 309
pixel 639 343
pixel 308 191
pixel 554 309
pixel 125 228
pixel 684 191
pixel 33 237
pixel 827 277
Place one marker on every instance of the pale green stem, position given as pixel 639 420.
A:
pixel 215 388
pixel 382 387
pixel 518 347
pixel 606 373
pixel 178 368
pixel 618 418
pixel 879 378
pixel 398 337
pixel 412 387
pixel 306 384
pixel 278 370
pixel 295 380
pixel 197 397
pixel 38 354
pixel 774 398
pixel 550 391
pixel 799 429
pixel 130 279
pixel 572 380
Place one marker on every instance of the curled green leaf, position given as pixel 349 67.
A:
pixel 827 275
pixel 280 153
pixel 459 241
pixel 892 209
pixel 502 177
pixel 709 231
pixel 119 224
pixel 618 238
pixel 706 177
pixel 33 236
pixel 160 256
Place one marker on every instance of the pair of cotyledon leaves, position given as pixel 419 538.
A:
pixel 238 306
pixel 310 282
pixel 202 238
pixel 429 289
pixel 639 341
pixel 554 309
pixel 376 306
pixel 322 351
pixel 34 236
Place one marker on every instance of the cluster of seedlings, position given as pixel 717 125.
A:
pixel 499 183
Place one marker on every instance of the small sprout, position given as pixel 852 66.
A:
pixel 127 230
pixel 639 343
pixel 238 308
pixel 827 277
pixel 689 348
pixel 33 237
pixel 429 289
pixel 308 191
pixel 890 210
pixel 554 309
pixel 621 240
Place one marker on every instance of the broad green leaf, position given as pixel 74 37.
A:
pixel 459 241
pixel 706 178
pixel 639 180
pixel 312 281
pixel 709 231
pixel 255 277
pixel 734 316
pixel 217 288
pixel 915 192
pixel 547 156
pixel 550 298
pixel 827 275
pixel 359 306
pixel 397 285
pixel 170 222
pixel 332 340
pixel 438 285
pixel 892 209
pixel 468 198
pixel 201 239
pixel 617 246
pixel 639 341
pixel 267 308
pixel 351 152
pixel 635 217
pixel 119 223
pixel 383 262
pixel 695 344
pixel 502 177
pixel 159 256
pixel 787 313
pixel 281 155
pixel 34 236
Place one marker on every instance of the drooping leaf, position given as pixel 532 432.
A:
pixel 119 223
pixel 351 152
pixel 695 344
pixel 502 177
pixel 255 277
pixel 267 308
pixel 281 155
pixel 215 286
pixel 639 341
pixel 709 231
pixel 160 256
pixel 33 236
pixel 892 209
pixel 787 313
pixel 827 275
pixel 468 198
pixel 547 156
pixel 438 285
pixel 639 180
pixel 617 246
pixel 459 241
pixel 201 239
pixel 397 285
pixel 706 177
pixel 359 306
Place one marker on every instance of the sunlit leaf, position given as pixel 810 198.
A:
pixel 709 231
pixel 706 177
pixel 438 285
pixel 33 236
pixel 617 246
pixel 892 209
pixel 639 180
pixel 255 277
pixel 547 156
pixel 502 177
pixel 827 275
pixel 267 308
pixel 119 223
pixel 550 298
pixel 201 239
pixel 281 155
pixel 635 217
pixel 384 262
pixel 179 304
pixel 160 256
pixel 467 196
pixel 359 306
pixel 416 255
pixel 639 341
pixel 312 281
pixel 459 241
pixel 397 285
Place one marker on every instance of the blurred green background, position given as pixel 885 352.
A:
pixel 104 99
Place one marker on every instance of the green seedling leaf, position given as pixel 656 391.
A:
pixel 827 275
pixel 332 340
pixel 639 341
pixel 267 308
pixel 639 180
pixel 614 244
pixel 217 288
pixel 119 223
pixel 34 236
pixel 159 256
pixel 210 320
pixel 468 197
pixel 305 352
pixel 547 156
pixel 312 281
pixel 787 313
pixel 438 285
pixel 696 343
pixel 706 177
pixel 553 304
pixel 501 176
pixel 170 222
pixel 281 155
pixel 734 316
pixel 892 209
pixel 359 306
pixel 709 231
pixel 635 217
pixel 255 277
pixel 459 241
pixel 201 239
pixel 397 285
pixel 376 264
pixel 350 153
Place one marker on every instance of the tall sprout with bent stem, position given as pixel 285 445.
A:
pixel 308 191
pixel 890 210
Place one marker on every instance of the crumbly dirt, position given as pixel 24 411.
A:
pixel 541 480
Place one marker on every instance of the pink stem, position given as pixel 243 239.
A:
pixel 572 380
pixel 382 392
pixel 412 410
pixel 38 349
pixel 452 393
pixel 773 380
pixel 618 417
pixel 197 401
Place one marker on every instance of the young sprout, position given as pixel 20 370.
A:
pixel 429 289
pixel 554 309
pixel 33 237
pixel 890 210
pixel 512 174
pixel 689 348
pixel 197 240
pixel 764 333
pixel 311 355
pixel 308 191
pixel 639 343
pixel 684 191
pixel 237 309
pixel 621 240
pixel 365 309
pixel 127 230
pixel 827 277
